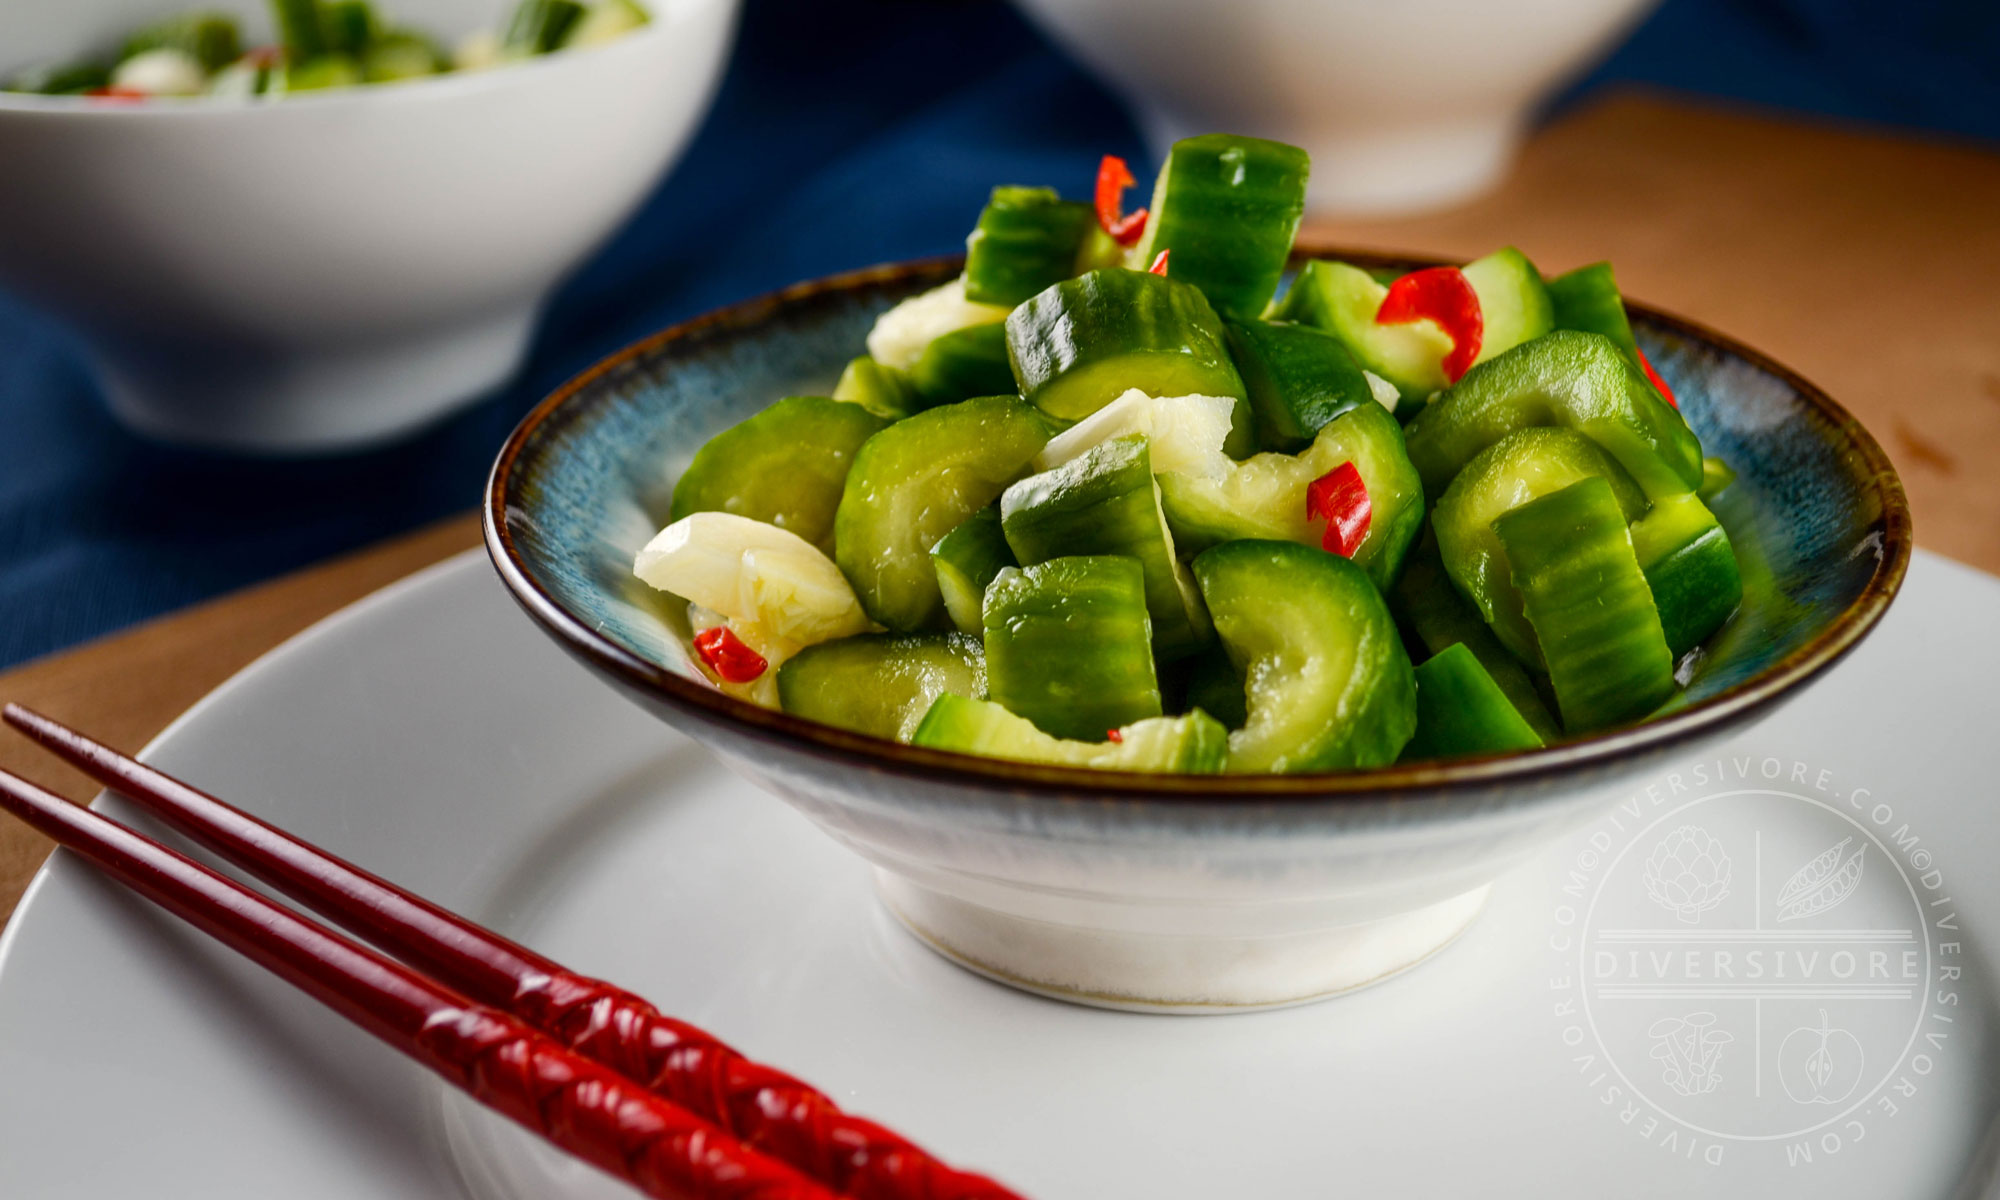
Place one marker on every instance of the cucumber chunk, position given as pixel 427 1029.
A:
pixel 1578 381
pixel 1228 207
pixel 539 26
pixel 1715 476
pixel 210 38
pixel 1690 567
pixel 962 364
pixel 1587 299
pixel 966 560
pixel 607 20
pixel 1519 468
pixel 880 684
pixel 1106 503
pixel 1514 304
pixel 1430 608
pixel 916 481
pixel 1298 377
pixel 1265 496
pixel 1215 686
pixel 900 335
pixel 1587 599
pixel 399 56
pixel 885 391
pixel 786 466
pixel 1326 679
pixel 1027 238
pixel 1190 744
pixel 1343 300
pixel 1084 342
pixel 1460 710
pixel 1069 645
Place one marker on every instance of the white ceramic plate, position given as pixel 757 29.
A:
pixel 1599 1030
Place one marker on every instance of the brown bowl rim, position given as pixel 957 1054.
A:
pixel 828 742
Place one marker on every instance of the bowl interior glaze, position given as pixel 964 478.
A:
pixel 1817 516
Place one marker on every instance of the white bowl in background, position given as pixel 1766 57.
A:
pixel 1404 105
pixel 335 269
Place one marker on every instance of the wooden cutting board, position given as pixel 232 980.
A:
pixel 1869 263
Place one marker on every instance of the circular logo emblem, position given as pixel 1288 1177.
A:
pixel 1752 962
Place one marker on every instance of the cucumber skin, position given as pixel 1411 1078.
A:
pixel 1581 381
pixel 916 481
pixel 962 364
pixel 1299 378
pixel 1461 710
pixel 1690 567
pixel 1229 208
pixel 966 560
pixel 1588 601
pixel 1215 686
pixel 1429 607
pixel 845 682
pixel 1069 645
pixel 1103 502
pixel 1080 344
pixel 211 39
pixel 1342 300
pixel 1587 299
pixel 1514 303
pixel 1202 514
pixel 1193 743
pixel 786 466
pixel 1027 238
pixel 1328 682
pixel 883 390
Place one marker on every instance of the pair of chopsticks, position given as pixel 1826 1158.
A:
pixel 595 1070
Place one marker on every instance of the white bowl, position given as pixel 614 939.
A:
pixel 1404 104
pixel 335 269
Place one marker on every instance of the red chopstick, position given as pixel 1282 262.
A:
pixel 587 1109
pixel 764 1108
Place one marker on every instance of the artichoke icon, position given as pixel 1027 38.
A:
pixel 1687 873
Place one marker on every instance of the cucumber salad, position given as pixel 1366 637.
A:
pixel 322 44
pixel 1107 499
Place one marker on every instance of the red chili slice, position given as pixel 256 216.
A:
pixel 1443 295
pixel 125 94
pixel 1653 377
pixel 727 656
pixel 1340 498
pixel 1112 735
pixel 1159 266
pixel 1113 177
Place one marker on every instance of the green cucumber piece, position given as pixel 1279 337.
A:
pixel 1715 475
pixel 962 364
pixel 966 560
pixel 1690 568
pixel 1082 343
pixel 916 481
pixel 324 73
pixel 607 20
pixel 60 78
pixel 787 466
pixel 1069 645
pixel 1215 686
pixel 1592 613
pixel 1579 381
pixel 210 38
pixel 1027 238
pixel 1190 744
pixel 1425 603
pixel 539 26
pixel 400 55
pixel 885 391
pixel 1228 207
pixel 1514 304
pixel 1460 710
pixel 1265 496
pixel 299 29
pixel 1519 468
pixel 1343 300
pixel 1587 299
pixel 880 684
pixel 1327 682
pixel 349 26
pixel 1105 502
pixel 1298 377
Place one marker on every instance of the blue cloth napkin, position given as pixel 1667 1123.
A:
pixel 844 134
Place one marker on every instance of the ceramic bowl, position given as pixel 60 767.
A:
pixel 1184 893
pixel 1407 105
pixel 332 269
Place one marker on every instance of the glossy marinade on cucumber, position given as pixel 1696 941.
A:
pixel 1117 498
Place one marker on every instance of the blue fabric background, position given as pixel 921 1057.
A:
pixel 845 134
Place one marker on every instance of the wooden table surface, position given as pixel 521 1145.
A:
pixel 1869 263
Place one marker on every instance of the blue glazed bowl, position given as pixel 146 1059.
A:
pixel 1174 893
